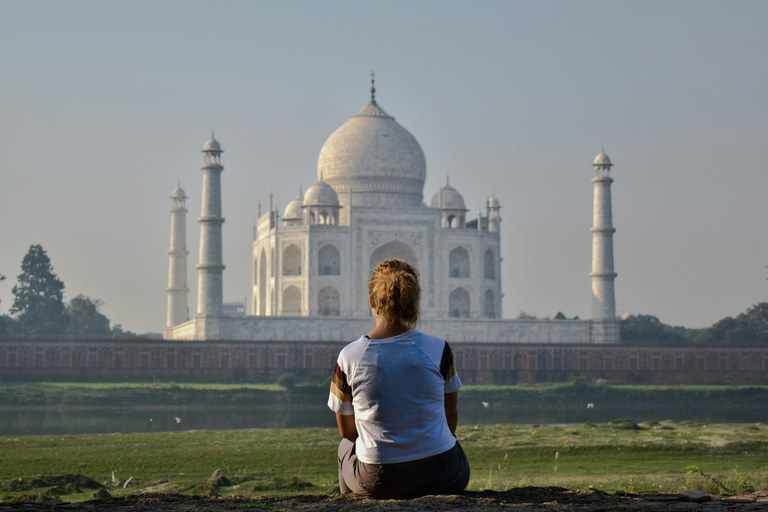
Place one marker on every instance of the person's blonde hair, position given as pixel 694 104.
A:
pixel 394 287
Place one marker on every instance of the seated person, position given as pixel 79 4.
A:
pixel 394 392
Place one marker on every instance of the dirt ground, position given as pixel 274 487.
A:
pixel 518 500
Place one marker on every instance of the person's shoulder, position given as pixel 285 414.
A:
pixel 355 349
pixel 430 340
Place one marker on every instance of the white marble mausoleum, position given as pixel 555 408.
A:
pixel 311 262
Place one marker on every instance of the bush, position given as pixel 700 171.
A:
pixel 287 380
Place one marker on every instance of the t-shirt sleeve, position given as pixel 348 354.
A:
pixel 340 397
pixel 448 370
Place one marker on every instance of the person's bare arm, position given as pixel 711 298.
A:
pixel 451 410
pixel 347 426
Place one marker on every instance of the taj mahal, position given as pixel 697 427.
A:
pixel 310 263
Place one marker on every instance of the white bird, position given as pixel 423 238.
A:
pixel 485 404
pixel 178 420
pixel 590 405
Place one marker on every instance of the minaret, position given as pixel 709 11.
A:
pixel 494 214
pixel 178 312
pixel 210 268
pixel 603 297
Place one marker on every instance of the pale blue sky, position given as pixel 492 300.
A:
pixel 106 105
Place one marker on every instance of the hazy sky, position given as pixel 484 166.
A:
pixel 106 106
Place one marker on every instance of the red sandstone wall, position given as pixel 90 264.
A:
pixel 477 363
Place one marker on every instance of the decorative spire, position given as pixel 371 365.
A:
pixel 301 190
pixel 373 89
pixel 447 180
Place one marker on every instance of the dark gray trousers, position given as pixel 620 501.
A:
pixel 446 473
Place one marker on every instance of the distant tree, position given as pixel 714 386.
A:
pixel 85 318
pixel 118 332
pixel 749 328
pixel 39 296
pixel 525 316
pixel 756 318
pixel 560 316
pixel 649 329
pixel 728 331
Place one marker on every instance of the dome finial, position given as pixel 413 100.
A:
pixel 447 180
pixel 373 89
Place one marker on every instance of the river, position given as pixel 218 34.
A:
pixel 99 421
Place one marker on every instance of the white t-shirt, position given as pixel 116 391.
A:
pixel 395 387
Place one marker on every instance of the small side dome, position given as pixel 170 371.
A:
pixel 293 210
pixel 493 202
pixel 179 193
pixel 602 159
pixel 321 194
pixel 212 145
pixel 447 198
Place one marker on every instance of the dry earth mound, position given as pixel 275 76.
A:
pixel 526 499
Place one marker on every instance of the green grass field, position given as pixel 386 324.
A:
pixel 615 456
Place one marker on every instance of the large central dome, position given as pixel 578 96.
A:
pixel 376 159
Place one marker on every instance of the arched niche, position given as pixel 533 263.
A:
pixel 328 301
pixel 329 260
pixel 292 260
pixel 489 304
pixel 458 263
pixel 394 249
pixel 263 283
pixel 291 301
pixel 489 265
pixel 458 303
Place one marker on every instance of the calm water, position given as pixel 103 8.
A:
pixel 69 422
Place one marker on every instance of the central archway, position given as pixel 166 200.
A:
pixel 394 249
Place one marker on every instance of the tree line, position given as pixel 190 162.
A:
pixel 748 328
pixel 39 309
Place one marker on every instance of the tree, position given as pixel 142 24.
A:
pixel 756 318
pixel 649 329
pixel 39 296
pixel 85 318
pixel 7 323
pixel 749 328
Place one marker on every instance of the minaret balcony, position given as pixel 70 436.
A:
pixel 211 220
pixel 607 275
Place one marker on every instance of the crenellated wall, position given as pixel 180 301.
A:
pixel 478 363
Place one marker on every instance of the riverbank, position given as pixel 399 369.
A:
pixel 617 456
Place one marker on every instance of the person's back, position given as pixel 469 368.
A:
pixel 394 394
pixel 398 389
